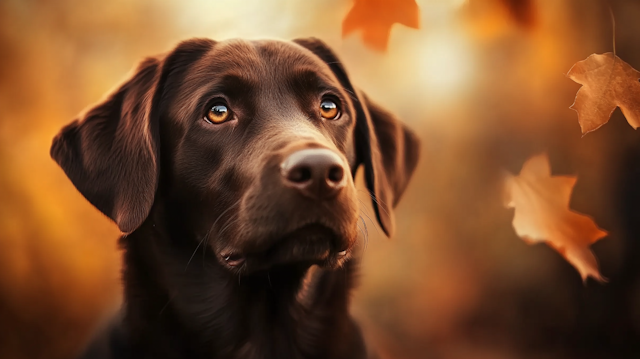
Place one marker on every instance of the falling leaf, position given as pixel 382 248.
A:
pixel 542 214
pixel 607 82
pixel 376 17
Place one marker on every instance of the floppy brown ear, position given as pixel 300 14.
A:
pixel 387 148
pixel 389 151
pixel 111 154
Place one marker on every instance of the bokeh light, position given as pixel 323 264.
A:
pixel 482 83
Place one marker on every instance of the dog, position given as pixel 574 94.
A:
pixel 229 168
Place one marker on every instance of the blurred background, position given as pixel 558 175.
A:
pixel 483 83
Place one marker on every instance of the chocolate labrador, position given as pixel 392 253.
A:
pixel 229 168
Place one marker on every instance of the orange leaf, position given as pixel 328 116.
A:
pixel 542 214
pixel 375 18
pixel 607 82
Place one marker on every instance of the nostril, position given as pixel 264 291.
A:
pixel 299 174
pixel 336 173
pixel 316 173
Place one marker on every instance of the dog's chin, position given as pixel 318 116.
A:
pixel 308 245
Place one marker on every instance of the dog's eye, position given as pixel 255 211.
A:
pixel 329 110
pixel 218 113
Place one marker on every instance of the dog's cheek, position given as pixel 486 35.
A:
pixel 222 197
pixel 196 162
pixel 231 182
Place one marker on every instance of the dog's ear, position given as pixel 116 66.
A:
pixel 389 151
pixel 387 148
pixel 111 154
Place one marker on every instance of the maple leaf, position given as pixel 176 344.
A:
pixel 607 81
pixel 542 214
pixel 376 17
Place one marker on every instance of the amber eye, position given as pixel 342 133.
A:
pixel 218 113
pixel 329 110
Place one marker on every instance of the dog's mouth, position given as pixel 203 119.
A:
pixel 307 245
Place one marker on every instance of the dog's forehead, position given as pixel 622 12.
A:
pixel 258 61
pixel 268 65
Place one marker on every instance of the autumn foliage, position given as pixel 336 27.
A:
pixel 608 82
pixel 375 18
pixel 542 214
pixel 504 158
pixel 541 201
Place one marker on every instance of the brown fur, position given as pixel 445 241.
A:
pixel 185 192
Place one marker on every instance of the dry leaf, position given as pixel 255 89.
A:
pixel 607 82
pixel 376 17
pixel 542 214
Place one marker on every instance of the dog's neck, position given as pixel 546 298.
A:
pixel 193 302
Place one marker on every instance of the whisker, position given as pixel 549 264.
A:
pixel 351 93
pixel 231 221
pixel 366 230
pixel 166 305
pixel 205 237
pixel 363 208
pixel 364 238
pixel 378 201
pixel 374 197
pixel 194 252
pixel 216 221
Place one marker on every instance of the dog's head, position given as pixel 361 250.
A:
pixel 250 148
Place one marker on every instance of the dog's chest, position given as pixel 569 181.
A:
pixel 283 332
pixel 257 349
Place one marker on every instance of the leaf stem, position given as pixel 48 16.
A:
pixel 613 25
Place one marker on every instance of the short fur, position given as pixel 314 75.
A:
pixel 186 193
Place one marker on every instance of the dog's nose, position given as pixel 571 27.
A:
pixel 317 173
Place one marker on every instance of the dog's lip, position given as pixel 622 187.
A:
pixel 312 243
pixel 233 259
